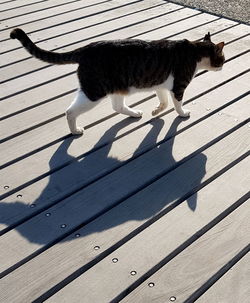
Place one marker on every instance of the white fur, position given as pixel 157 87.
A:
pixel 205 63
pixel 119 105
pixel 82 104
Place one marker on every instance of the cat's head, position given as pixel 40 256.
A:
pixel 212 54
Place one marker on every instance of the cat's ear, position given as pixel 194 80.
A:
pixel 220 46
pixel 207 37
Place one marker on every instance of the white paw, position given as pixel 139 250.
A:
pixel 156 111
pixel 159 109
pixel 137 113
pixel 184 113
pixel 78 131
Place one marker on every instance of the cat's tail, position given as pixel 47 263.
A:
pixel 44 55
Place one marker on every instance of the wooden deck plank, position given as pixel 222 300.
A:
pixel 152 245
pixel 84 10
pixel 84 27
pixel 43 9
pixel 14 177
pixel 73 212
pixel 70 25
pixel 15 5
pixel 234 286
pixel 192 268
pixel 121 221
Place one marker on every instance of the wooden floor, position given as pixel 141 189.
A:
pixel 136 210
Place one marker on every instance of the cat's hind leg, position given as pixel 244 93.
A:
pixel 120 106
pixel 163 104
pixel 81 104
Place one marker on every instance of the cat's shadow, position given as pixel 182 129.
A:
pixel 100 162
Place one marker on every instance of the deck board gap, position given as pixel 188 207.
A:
pixel 185 245
pixel 25 5
pixel 47 8
pixel 222 271
pixel 75 19
pixel 92 25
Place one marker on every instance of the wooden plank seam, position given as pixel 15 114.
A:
pixel 42 9
pixel 25 5
pixel 79 18
pixel 182 247
pixel 222 271
pixel 87 26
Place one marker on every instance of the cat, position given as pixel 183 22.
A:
pixel 121 67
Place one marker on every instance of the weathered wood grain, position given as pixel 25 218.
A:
pixel 156 242
pixel 193 267
pixel 233 286
pixel 17 5
pixel 85 9
pixel 20 14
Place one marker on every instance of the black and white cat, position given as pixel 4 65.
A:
pixel 121 67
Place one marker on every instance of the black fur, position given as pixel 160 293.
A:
pixel 107 67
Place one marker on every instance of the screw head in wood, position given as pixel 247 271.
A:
pixel 114 260
pixel 172 299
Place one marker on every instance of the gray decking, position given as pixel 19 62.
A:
pixel 136 210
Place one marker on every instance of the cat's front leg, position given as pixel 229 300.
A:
pixel 177 101
pixel 163 104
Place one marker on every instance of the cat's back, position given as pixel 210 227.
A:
pixel 128 46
